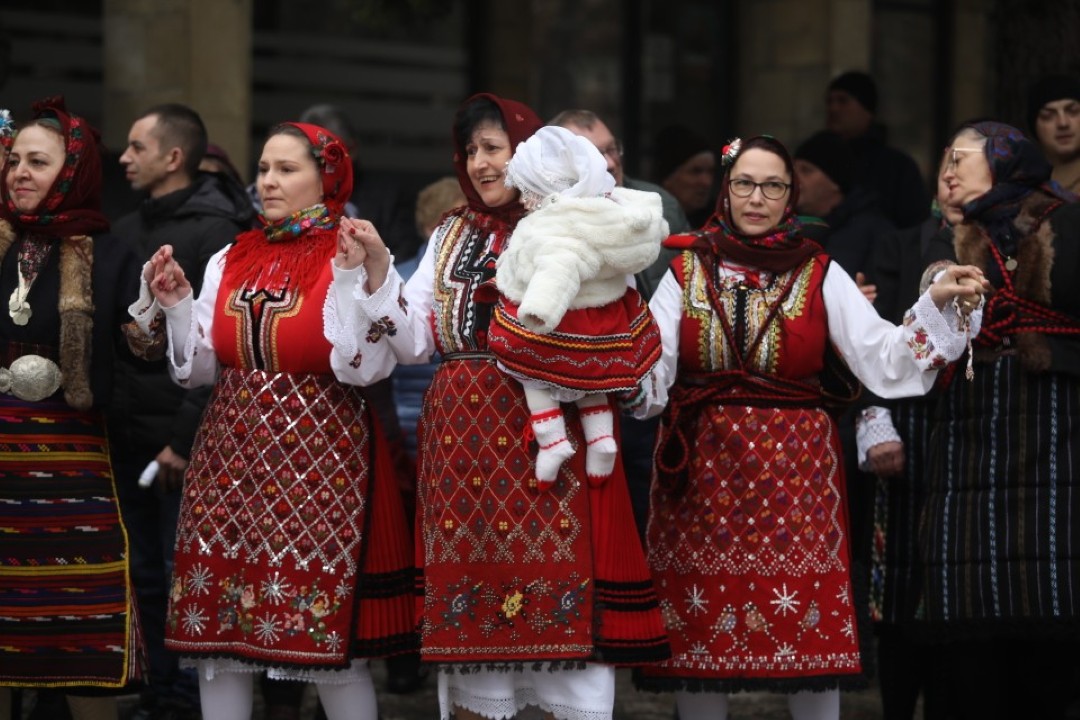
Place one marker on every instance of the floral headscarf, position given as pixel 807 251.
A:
pixel 72 205
pixel 1018 169
pixel 778 250
pixel 269 257
pixel 520 122
pixel 335 165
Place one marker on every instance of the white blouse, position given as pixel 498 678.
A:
pixel 875 350
pixel 193 361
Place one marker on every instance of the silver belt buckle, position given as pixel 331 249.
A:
pixel 31 378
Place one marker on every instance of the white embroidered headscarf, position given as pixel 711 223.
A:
pixel 555 161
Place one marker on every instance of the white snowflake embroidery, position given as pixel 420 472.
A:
pixel 695 601
pixel 843 595
pixel 333 641
pixel 342 590
pixel 267 628
pixel 785 651
pixel 698 648
pixel 198 580
pixel 848 629
pixel 276 589
pixel 785 602
pixel 194 620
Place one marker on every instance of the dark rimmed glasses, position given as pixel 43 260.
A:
pixel 771 189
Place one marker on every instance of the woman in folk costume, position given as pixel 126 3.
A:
pixel 66 605
pixel 531 595
pixel 293 555
pixel 747 535
pixel 998 534
pixel 567 326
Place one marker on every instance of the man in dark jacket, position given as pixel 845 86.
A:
pixel 153 420
pixel 851 112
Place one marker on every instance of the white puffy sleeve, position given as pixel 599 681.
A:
pixel 388 326
pixel 891 360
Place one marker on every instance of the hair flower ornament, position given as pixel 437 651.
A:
pixel 730 151
pixel 7 128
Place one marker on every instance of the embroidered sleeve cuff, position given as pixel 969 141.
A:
pixel 182 335
pixel 933 343
pixel 872 427
pixel 340 328
pixel 373 304
pixel 144 309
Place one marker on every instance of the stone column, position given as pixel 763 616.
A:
pixel 196 52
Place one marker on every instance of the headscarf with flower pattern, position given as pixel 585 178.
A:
pixel 1017 168
pixel 520 122
pixel 267 257
pixel 72 205
pixel 778 250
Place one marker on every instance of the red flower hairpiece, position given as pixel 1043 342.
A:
pixel 730 151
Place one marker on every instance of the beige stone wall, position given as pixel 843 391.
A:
pixel 790 49
pixel 196 52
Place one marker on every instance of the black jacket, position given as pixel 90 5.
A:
pixel 856 228
pixel 894 177
pixel 149 411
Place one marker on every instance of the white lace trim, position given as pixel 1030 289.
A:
pixel 207 669
pixel 947 341
pixel 500 701
pixel 873 426
pixel 183 372
pixel 144 309
pixel 339 332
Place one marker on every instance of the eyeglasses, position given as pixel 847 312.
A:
pixel 614 151
pixel 771 189
pixel 954 157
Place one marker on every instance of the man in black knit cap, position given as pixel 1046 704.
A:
pixel 851 103
pixel 1053 114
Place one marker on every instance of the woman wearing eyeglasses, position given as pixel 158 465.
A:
pixel 747 539
pixel 999 536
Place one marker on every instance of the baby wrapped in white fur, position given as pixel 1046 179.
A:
pixel 568 326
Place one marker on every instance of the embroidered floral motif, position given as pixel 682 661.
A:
pixel 356 360
pixel 316 217
pixel 922 347
pixel 384 326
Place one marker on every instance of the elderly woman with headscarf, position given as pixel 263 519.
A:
pixel 66 608
pixel 748 538
pixel 999 530
pixel 293 554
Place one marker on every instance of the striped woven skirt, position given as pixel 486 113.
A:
pixel 895 577
pixel 999 532
pixel 66 612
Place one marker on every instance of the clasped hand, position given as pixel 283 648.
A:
pixel 965 283
pixel 166 278
pixel 359 244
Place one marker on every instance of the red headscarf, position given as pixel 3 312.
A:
pixel 777 250
pixel 254 261
pixel 335 165
pixel 73 203
pixel 520 122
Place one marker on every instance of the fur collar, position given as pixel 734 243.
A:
pixel 76 306
pixel 1034 261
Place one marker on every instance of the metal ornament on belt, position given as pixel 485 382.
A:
pixel 31 378
pixel 18 307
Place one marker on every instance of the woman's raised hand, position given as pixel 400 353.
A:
pixel 359 243
pixel 166 278
pixel 966 283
